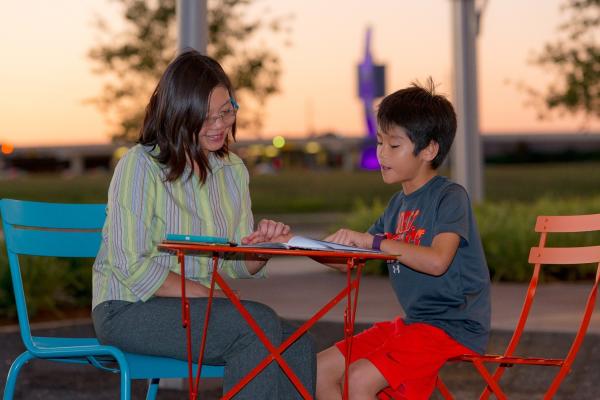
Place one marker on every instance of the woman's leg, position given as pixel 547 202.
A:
pixel 154 327
pixel 301 358
pixel 243 353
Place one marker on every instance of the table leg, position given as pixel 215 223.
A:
pixel 350 316
pixel 206 317
pixel 292 338
pixel 350 292
pixel 185 306
pixel 195 383
pixel 275 352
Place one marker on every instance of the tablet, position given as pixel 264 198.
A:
pixel 176 237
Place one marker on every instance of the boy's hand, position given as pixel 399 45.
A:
pixel 351 238
pixel 269 231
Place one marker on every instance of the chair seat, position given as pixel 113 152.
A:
pixel 500 359
pixel 140 366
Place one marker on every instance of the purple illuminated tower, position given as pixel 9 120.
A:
pixel 371 84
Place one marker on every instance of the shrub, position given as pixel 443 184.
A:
pixel 51 285
pixel 507 232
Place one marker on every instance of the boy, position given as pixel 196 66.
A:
pixel 441 277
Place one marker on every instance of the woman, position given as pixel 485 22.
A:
pixel 182 178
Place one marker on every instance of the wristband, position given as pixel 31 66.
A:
pixel 377 239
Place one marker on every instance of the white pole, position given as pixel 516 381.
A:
pixel 467 161
pixel 192 25
pixel 192 29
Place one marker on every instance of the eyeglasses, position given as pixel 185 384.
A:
pixel 227 117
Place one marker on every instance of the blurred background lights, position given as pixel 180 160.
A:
pixel 312 147
pixel 255 150
pixel 7 148
pixel 271 151
pixel 120 152
pixel 279 142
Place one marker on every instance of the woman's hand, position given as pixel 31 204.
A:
pixel 266 231
pixel 269 231
pixel 351 238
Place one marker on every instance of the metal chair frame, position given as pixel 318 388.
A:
pixel 74 231
pixel 540 256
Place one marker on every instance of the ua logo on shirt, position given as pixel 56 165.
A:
pixel 406 229
pixel 407 232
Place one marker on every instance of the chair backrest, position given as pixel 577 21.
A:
pixel 47 229
pixel 542 255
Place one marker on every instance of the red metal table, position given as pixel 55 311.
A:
pixel 355 261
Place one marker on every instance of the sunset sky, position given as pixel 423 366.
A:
pixel 45 76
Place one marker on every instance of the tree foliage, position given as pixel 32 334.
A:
pixel 133 58
pixel 574 58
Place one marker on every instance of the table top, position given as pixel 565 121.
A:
pixel 188 247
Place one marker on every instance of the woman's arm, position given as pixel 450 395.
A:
pixel 171 287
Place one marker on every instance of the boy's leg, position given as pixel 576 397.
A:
pixel 330 370
pixel 407 356
pixel 331 362
pixel 417 389
pixel 364 378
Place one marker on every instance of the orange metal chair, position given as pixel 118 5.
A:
pixel 540 256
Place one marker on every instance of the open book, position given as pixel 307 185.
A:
pixel 301 242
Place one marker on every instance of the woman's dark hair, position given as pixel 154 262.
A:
pixel 177 110
pixel 423 114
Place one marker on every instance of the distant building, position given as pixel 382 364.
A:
pixel 70 159
pixel 324 151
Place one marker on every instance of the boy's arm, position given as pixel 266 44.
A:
pixel 433 260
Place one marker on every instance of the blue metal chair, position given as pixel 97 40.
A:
pixel 72 230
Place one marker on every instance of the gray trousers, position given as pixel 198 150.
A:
pixel 154 328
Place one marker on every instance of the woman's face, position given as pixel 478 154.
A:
pixel 218 123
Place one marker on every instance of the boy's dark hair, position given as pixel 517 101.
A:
pixel 423 114
pixel 177 110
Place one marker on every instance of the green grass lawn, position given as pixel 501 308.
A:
pixel 314 191
pixel 527 182
pixel 90 188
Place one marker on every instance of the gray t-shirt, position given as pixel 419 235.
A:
pixel 459 300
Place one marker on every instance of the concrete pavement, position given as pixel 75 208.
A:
pixel 298 286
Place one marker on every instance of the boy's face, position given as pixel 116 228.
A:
pixel 395 152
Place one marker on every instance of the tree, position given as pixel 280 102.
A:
pixel 575 58
pixel 133 59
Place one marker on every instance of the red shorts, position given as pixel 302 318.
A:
pixel 408 356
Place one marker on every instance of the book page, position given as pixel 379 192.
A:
pixel 313 244
pixel 301 242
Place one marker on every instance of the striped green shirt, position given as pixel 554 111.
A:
pixel 142 208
